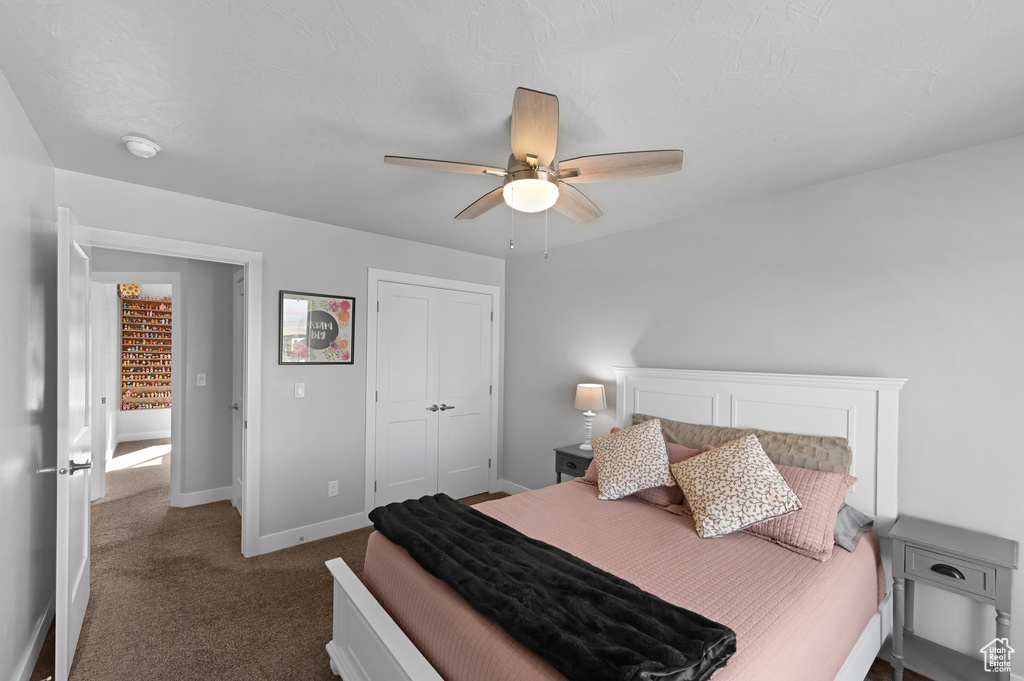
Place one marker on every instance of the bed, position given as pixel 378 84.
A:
pixel 794 617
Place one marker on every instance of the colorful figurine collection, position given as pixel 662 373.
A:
pixel 145 357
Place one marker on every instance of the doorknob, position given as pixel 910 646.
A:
pixel 75 467
pixel 445 407
pixel 235 406
pixel 433 407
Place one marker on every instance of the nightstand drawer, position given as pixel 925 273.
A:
pixel 571 465
pixel 951 572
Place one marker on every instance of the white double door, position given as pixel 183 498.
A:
pixel 433 409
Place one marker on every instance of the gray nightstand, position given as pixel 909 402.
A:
pixel 964 562
pixel 572 460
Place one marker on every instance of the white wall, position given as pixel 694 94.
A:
pixel 305 442
pixel 203 311
pixel 915 271
pixel 28 417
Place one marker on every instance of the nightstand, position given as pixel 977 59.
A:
pixel 572 460
pixel 961 561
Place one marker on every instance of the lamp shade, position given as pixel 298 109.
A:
pixel 590 397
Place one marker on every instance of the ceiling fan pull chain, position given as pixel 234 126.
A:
pixel 512 234
pixel 545 235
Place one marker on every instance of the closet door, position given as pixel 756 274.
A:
pixel 464 393
pixel 408 327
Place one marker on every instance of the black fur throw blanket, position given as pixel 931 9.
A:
pixel 587 623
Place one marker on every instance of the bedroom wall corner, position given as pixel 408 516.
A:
pixel 911 271
pixel 28 279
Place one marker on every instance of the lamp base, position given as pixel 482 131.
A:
pixel 588 428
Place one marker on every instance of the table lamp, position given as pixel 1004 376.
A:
pixel 589 398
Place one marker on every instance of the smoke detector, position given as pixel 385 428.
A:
pixel 140 146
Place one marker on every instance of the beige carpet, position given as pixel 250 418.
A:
pixel 173 599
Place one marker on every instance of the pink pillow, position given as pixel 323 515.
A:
pixel 809 531
pixel 666 496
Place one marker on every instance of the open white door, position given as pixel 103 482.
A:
pixel 74 441
pixel 238 396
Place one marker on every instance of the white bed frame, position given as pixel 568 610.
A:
pixel 369 646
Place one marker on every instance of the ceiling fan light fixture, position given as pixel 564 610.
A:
pixel 531 191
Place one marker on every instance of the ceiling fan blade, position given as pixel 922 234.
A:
pixel 534 126
pixel 451 166
pixel 482 205
pixel 604 167
pixel 572 203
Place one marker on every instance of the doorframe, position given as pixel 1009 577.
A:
pixel 376 276
pixel 252 261
pixel 177 367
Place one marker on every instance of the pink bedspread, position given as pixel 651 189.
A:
pixel 794 618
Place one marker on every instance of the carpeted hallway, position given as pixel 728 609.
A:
pixel 173 599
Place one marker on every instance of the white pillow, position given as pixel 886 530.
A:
pixel 733 487
pixel 631 460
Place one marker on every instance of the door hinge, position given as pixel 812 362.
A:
pixel 488 463
pixel 490 390
pixel 375 486
pixel 376 396
pixel 245 424
pixel 378 306
pixel 492 316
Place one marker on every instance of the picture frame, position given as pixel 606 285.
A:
pixel 316 329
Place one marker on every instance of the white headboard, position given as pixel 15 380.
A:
pixel 863 410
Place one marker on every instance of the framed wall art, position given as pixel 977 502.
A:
pixel 316 329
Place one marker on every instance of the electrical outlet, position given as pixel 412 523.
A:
pixel 332 488
pixel 200 380
pixel 300 390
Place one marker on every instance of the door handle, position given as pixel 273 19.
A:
pixel 72 467
pixel 445 407
pixel 433 407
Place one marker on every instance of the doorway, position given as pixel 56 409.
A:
pixel 250 262
pixel 432 387
pixel 110 427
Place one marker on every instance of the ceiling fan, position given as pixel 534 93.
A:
pixel 533 181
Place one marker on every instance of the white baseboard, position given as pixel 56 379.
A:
pixel 321 530
pixel 206 496
pixel 27 663
pixel 510 487
pixel 147 435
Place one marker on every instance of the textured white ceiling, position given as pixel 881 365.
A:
pixel 290 105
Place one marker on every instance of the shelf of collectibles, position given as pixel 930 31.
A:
pixel 145 350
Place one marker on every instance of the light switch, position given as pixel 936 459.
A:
pixel 300 390
pixel 200 380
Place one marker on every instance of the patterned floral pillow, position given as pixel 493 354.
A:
pixel 631 460
pixel 733 487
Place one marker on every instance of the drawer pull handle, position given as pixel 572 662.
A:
pixel 570 464
pixel 948 571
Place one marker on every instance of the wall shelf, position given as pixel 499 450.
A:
pixel 145 353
